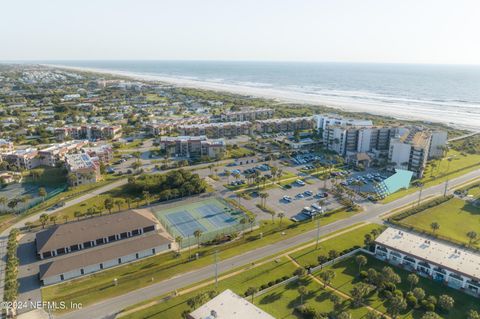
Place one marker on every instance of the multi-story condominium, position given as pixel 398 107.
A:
pixel 247 114
pixel 455 266
pixel 324 121
pixel 284 124
pixel 89 132
pixel 217 130
pixel 193 146
pixel 6 146
pixel 55 153
pixel 26 158
pixel 168 126
pixel 104 153
pixel 437 144
pixel 410 150
pixel 348 140
pixel 85 169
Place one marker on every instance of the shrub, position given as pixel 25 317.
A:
pixel 363 274
pixel 422 207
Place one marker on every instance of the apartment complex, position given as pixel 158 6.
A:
pixel 83 169
pixel 54 154
pixel 104 153
pixel 406 148
pixel 90 132
pixel 437 144
pixel 217 130
pixel 168 126
pixel 5 146
pixel 291 124
pixel 347 141
pixel 247 114
pixel 82 247
pixel 456 266
pixel 193 146
pixel 24 158
pixel 410 150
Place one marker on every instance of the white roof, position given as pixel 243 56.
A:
pixel 229 305
pixel 442 254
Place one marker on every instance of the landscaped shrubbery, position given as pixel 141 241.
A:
pixel 170 185
pixel 420 208
pixel 11 269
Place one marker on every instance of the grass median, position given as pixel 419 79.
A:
pixel 99 286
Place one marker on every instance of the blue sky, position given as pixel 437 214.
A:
pixel 403 31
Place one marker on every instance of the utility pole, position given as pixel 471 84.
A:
pixel 318 232
pixel 216 269
pixel 420 194
pixel 448 169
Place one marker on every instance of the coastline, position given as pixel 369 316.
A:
pixel 398 110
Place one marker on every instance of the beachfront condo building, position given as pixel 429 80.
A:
pixel 193 147
pixel 217 130
pixel 290 124
pixel 247 114
pixel 409 151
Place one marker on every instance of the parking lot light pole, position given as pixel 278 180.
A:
pixel 318 232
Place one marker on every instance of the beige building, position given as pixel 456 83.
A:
pixel 82 247
pixel 229 305
pixel 441 261
pixel 193 146
pixel 84 168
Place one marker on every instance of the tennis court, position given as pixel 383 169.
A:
pixel 211 217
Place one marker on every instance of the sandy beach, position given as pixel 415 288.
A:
pixel 460 117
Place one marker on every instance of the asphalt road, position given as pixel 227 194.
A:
pixel 108 308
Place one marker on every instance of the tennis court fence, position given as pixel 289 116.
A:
pixel 205 236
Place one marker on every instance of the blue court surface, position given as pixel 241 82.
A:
pixel 208 216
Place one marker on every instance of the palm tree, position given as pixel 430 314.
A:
pixel 434 226
pixel 65 218
pixel 281 216
pixel 147 197
pixel 302 291
pixel 179 240
pixel 129 202
pixel 118 202
pixel 197 234
pixel 53 219
pixel 77 215
pixel 251 221
pixel 263 196
pixel 471 237
pixel 43 220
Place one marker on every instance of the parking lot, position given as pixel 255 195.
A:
pixel 299 199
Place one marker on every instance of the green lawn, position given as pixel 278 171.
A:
pixel 347 276
pixel 99 286
pixel 254 277
pixel 239 152
pixel 456 217
pixel 279 302
pixel 436 172
pixel 308 256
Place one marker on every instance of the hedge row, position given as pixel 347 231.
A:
pixel 420 208
pixel 11 269
pixel 269 284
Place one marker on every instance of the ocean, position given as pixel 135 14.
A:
pixel 445 93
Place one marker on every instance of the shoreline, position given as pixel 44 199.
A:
pixel 399 111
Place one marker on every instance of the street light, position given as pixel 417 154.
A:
pixel 449 159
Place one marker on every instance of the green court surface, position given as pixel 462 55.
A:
pixel 211 217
